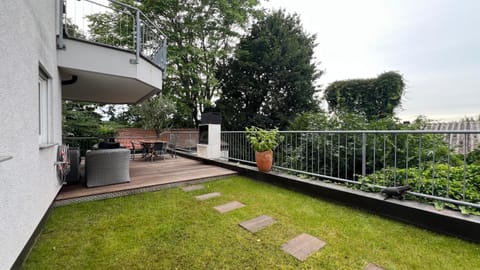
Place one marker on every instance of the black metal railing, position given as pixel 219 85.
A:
pixel 435 164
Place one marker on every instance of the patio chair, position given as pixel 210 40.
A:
pixel 159 149
pixel 132 150
pixel 135 148
pixel 172 144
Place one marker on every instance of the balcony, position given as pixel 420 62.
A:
pixel 109 52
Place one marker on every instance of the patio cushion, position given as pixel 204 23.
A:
pixel 107 166
pixel 108 145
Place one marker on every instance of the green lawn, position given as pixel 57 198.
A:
pixel 170 229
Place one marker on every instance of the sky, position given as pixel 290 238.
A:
pixel 434 44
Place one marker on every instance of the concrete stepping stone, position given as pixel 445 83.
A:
pixel 372 266
pixel 302 246
pixel 192 188
pixel 229 207
pixel 258 223
pixel 207 196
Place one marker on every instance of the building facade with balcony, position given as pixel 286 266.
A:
pixel 42 64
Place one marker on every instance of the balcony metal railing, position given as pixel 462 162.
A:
pixel 113 23
pixel 186 140
pixel 428 161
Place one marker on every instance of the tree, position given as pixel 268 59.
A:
pixel 201 34
pixel 372 98
pixel 80 119
pixel 271 77
pixel 155 113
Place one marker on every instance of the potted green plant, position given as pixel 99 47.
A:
pixel 263 142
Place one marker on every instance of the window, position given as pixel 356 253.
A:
pixel 43 111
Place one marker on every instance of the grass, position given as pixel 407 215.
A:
pixel 170 229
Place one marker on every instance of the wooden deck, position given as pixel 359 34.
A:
pixel 146 175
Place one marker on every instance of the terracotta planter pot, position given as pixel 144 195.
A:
pixel 264 160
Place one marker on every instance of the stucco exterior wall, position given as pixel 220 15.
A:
pixel 28 182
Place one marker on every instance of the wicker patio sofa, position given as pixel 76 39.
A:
pixel 107 167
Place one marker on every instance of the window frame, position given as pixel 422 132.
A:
pixel 44 104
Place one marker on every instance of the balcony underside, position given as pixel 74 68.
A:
pixel 105 74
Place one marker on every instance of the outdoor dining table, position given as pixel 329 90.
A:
pixel 149 146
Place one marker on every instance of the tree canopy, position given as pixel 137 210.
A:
pixel 201 34
pixel 372 98
pixel 271 77
pixel 156 113
pixel 80 119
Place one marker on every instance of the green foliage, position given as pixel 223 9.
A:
pixel 112 28
pixel 310 121
pixel 115 27
pixel 434 179
pixel 271 77
pixel 156 112
pixel 201 34
pixel 427 157
pixel 373 98
pixel 263 140
pixel 343 150
pixel 474 157
pixel 107 130
pixel 80 119
pixel 72 30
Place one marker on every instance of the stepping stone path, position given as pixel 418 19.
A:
pixel 207 196
pixel 258 223
pixel 302 246
pixel 229 207
pixel 191 188
pixel 372 266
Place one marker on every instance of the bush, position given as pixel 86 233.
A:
pixel 433 179
pixel 263 140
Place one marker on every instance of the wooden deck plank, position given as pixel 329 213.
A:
pixel 148 174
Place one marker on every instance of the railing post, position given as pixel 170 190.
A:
pixel 364 154
pixel 164 57
pixel 138 38
pixel 61 25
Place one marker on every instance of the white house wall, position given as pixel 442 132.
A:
pixel 28 183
